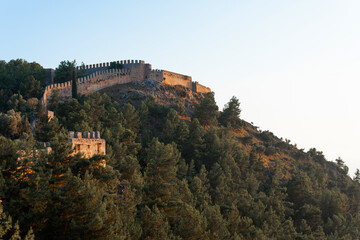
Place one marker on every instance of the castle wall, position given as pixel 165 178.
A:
pixel 88 84
pixel 125 64
pixel 200 88
pixel 138 72
pixel 99 76
pixel 63 90
pixel 176 79
pixel 102 79
pixel 157 75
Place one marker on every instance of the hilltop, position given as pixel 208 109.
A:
pixel 134 93
pixel 176 166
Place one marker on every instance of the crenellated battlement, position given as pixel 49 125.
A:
pixel 63 90
pixel 107 64
pixel 102 79
pixel 99 76
pixel 58 85
pixel 105 74
pixel 84 135
pixel 124 64
pixel 87 143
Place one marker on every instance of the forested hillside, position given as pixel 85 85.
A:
pixel 177 168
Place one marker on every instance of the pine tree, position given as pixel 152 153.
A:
pixel 131 117
pixel 46 129
pixel 212 148
pixel 8 230
pixel 82 210
pixel 216 223
pixel 230 116
pixel 357 176
pixel 195 143
pixel 181 135
pixel 207 111
pixel 200 188
pixel 64 71
pixel 161 171
pixel 188 222
pixel 170 126
pixel 155 224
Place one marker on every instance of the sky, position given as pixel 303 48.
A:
pixel 294 65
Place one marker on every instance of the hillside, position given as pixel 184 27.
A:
pixel 176 168
pixel 268 147
pixel 135 93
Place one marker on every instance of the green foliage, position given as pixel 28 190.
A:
pixel 21 77
pixel 156 225
pixel 161 172
pixel 165 178
pixel 27 107
pixel 207 111
pixel 170 125
pixel 194 147
pixel 64 72
pixel 341 166
pixel 267 136
pixel 115 65
pixel 357 176
pixel 230 116
pixel 7 228
pixel 46 128
pixel 131 118
pixel 12 124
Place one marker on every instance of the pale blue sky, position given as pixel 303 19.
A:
pixel 294 65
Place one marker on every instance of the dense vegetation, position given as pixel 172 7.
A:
pixel 165 178
pixel 20 77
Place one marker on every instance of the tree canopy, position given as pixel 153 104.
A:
pixel 166 176
pixel 64 72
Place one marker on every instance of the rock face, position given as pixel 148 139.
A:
pixel 178 97
pixel 88 143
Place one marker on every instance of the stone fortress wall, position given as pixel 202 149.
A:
pixel 63 90
pixel 102 79
pixel 99 76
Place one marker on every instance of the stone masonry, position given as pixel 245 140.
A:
pixel 99 76
pixel 88 143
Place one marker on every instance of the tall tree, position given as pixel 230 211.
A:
pixel 231 113
pixel 161 171
pixel 195 143
pixel 155 224
pixel 131 116
pixel 169 128
pixel 207 111
pixel 19 76
pixel 64 72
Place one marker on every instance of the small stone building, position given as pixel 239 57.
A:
pixel 88 143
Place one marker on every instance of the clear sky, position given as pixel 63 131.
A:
pixel 294 65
